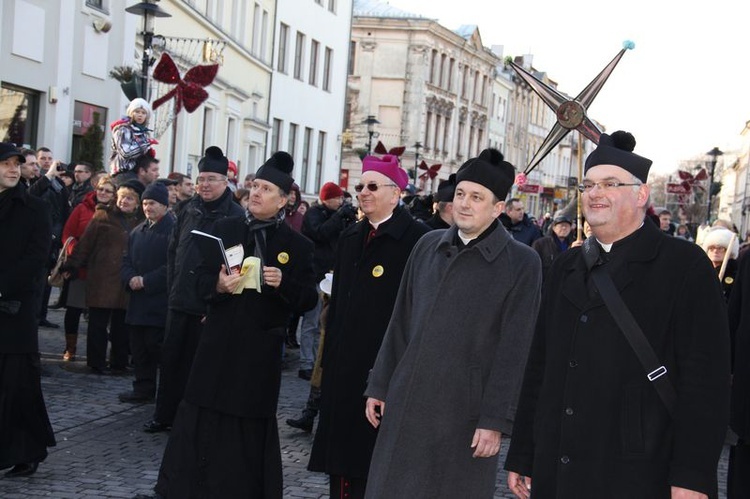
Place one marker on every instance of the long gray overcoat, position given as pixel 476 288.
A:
pixel 451 362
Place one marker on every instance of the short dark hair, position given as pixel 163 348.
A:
pixel 43 149
pixel 85 164
pixel 28 152
pixel 179 177
pixel 143 162
pixel 665 212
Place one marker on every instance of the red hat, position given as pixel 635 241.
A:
pixel 330 191
pixel 232 166
pixel 388 166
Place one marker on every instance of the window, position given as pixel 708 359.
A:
pixel 100 5
pixel 352 53
pixel 436 135
pixel 255 46
pixel 319 160
pixel 332 6
pixel 433 60
pixel 465 83
pixel 484 87
pixel 476 86
pixel 292 144
pixel 264 36
pixel 327 63
pixel 446 132
pixel 306 144
pixel 313 76
pixel 208 128
pixel 283 44
pixel 428 124
pixel 231 132
pixel 19 115
pixel 449 84
pixel 275 135
pixel 460 138
pixel 443 69
pixel 299 55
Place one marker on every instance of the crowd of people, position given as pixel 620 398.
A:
pixel 605 357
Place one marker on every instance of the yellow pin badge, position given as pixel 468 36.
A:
pixel 377 271
pixel 728 280
pixel 283 257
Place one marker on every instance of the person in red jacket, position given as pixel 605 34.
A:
pixel 76 288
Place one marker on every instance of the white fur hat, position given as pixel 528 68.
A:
pixel 720 236
pixel 139 103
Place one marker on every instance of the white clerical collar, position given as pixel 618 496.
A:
pixel 608 247
pixel 464 239
pixel 375 225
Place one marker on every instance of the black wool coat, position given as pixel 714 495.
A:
pixel 365 285
pixel 26 231
pixel 184 256
pixel 237 366
pixel 739 326
pixel 589 423
pixel 147 257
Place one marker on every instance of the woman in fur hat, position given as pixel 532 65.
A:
pixel 130 137
pixel 716 242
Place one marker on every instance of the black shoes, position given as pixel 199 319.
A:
pixel 154 426
pixel 23 469
pixel 135 398
pixel 304 422
pixel 305 374
pixel 46 323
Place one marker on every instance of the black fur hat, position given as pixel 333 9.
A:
pixel 490 170
pixel 214 161
pixel 617 150
pixel 277 170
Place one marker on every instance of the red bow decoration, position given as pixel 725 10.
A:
pixel 431 172
pixel 689 182
pixel 395 151
pixel 189 91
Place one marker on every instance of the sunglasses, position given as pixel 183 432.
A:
pixel 371 186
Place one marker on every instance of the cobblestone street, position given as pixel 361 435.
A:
pixel 102 452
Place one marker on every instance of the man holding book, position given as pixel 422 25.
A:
pixel 225 439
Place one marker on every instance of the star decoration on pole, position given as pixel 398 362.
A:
pixel 571 113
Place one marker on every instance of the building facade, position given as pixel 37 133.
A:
pixel 308 89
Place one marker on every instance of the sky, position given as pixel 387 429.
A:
pixel 684 89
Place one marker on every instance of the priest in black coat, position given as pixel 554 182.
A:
pixel 225 442
pixel 26 229
pixel 590 424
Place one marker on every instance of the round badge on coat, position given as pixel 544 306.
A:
pixel 728 280
pixel 283 257
pixel 377 271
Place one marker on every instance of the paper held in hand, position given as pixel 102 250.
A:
pixel 250 275
pixel 232 257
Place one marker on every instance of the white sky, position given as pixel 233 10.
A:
pixel 684 89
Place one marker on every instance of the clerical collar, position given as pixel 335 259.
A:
pixel 375 225
pixel 468 242
pixel 608 247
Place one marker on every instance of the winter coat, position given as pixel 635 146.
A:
pixel 524 231
pixel 293 217
pixel 100 251
pixel 77 222
pixel 548 249
pixel 436 222
pixel 128 144
pixel 55 194
pixel 589 423
pixel 147 257
pixel 25 229
pixel 184 256
pixel 323 227
pixel 456 346
pixel 739 327
pixel 237 366
pixel 365 284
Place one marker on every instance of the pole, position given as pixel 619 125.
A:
pixel 579 217
pixel 147 39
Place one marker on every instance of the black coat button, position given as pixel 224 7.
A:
pixel 569 411
pixel 573 363
pixel 565 459
pixel 584 318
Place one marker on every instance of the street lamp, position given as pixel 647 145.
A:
pixel 417 147
pixel 149 10
pixel 370 122
pixel 714 153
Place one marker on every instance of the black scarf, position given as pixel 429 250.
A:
pixel 257 234
pixel 6 200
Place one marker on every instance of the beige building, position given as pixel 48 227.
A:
pixel 429 87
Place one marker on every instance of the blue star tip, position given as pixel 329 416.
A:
pixel 628 45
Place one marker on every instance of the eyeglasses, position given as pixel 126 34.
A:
pixel 371 186
pixel 604 185
pixel 716 248
pixel 108 191
pixel 209 180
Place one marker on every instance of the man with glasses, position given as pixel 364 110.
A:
pixel 186 306
pixel 370 260
pixel 626 390
pixel 82 186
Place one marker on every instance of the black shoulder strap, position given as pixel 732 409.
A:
pixel 655 370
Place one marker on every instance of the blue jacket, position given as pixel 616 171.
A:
pixel 525 231
pixel 147 257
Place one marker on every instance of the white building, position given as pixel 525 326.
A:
pixel 308 89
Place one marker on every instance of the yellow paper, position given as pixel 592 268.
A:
pixel 250 275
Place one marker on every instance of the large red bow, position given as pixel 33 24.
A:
pixel 431 172
pixel 189 91
pixel 393 151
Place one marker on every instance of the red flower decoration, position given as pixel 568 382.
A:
pixel 394 151
pixel 189 91
pixel 431 172
pixel 521 179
